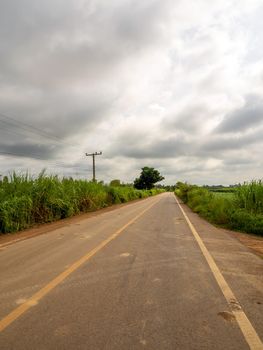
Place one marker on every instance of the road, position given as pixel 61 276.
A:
pixel 142 276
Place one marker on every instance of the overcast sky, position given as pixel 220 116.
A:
pixel 176 85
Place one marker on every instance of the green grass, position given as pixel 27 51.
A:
pixel 229 195
pixel 250 197
pixel 240 210
pixel 26 201
pixel 220 189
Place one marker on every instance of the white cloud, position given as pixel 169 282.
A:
pixel 148 83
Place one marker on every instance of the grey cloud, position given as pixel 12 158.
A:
pixel 191 119
pixel 78 69
pixel 222 144
pixel 131 18
pixel 234 148
pixel 238 161
pixel 219 144
pixel 59 63
pixel 141 145
pixel 29 150
pixel 250 115
pixel 59 116
pixel 71 42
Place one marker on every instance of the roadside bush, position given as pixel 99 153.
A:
pixel 198 197
pixel 15 214
pixel 25 201
pixel 182 190
pixel 220 210
pixel 250 197
pixel 244 221
pixel 241 211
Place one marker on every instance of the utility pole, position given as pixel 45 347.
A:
pixel 93 162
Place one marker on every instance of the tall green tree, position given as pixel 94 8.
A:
pixel 147 179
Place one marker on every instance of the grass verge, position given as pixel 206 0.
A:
pixel 242 210
pixel 26 201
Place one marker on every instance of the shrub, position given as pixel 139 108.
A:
pixel 241 211
pixel 15 214
pixel 250 197
pixel 244 221
pixel 25 201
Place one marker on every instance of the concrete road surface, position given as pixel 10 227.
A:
pixel 143 276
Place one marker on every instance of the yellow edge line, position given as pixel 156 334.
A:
pixel 246 327
pixel 34 299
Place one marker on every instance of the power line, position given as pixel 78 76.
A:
pixel 11 131
pixel 9 122
pixel 30 128
pixel 27 127
pixel 36 157
pixel 23 155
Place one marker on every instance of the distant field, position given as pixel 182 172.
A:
pixel 229 195
pixel 222 189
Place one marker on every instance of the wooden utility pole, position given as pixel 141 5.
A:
pixel 93 162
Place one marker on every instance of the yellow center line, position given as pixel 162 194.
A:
pixel 34 299
pixel 245 325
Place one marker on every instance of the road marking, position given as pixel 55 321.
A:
pixel 246 327
pixel 34 299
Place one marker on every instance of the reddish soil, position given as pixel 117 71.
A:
pixel 254 243
pixel 9 238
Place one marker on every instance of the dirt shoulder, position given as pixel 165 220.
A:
pixel 10 238
pixel 254 243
